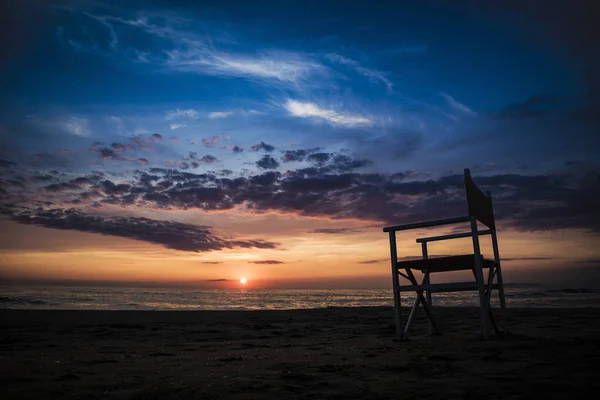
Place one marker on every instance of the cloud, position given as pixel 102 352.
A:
pixel 220 114
pixel 458 106
pixel 209 142
pixel 297 155
pixel 334 231
pixel 332 188
pixel 508 259
pixel 377 261
pixel 7 164
pixel 262 146
pixel 533 107
pixel 207 159
pixel 267 262
pixel 68 151
pixel 282 66
pixel 77 126
pixel 177 126
pixel 177 113
pixel 138 142
pixel 213 262
pixel 172 235
pixel 310 110
pixel 43 156
pixel 372 74
pixel 185 50
pixel 267 162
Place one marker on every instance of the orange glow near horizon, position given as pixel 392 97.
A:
pixel 302 259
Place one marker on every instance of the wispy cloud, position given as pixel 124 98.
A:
pixel 272 65
pixel 77 126
pixel 70 125
pixel 177 126
pixel 188 50
pixel 210 141
pixel 220 114
pixel 266 262
pixel 310 110
pixel 456 105
pixel 372 74
pixel 230 113
pixel 177 113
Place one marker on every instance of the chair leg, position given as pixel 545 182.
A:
pixel 489 297
pixel 428 310
pixel 410 317
pixel 499 279
pixel 427 281
pixel 484 309
pixel 502 299
pixel 488 293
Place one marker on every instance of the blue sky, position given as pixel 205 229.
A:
pixel 240 89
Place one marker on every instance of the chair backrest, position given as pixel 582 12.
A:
pixel 480 205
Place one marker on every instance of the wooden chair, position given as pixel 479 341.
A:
pixel 479 209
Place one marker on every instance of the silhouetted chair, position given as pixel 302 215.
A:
pixel 479 209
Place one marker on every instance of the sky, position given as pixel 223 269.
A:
pixel 192 142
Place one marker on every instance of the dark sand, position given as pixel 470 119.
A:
pixel 311 354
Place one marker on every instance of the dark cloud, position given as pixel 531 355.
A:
pixel 266 262
pixel 105 152
pixel 265 179
pixel 297 155
pixel 209 159
pixel 237 149
pixel 293 155
pixel 344 163
pixel 378 261
pixel 335 190
pixel 216 280
pixel 403 258
pixel 526 259
pixel 7 164
pixel 121 146
pixel 589 261
pixel 333 231
pixel 534 106
pixel 209 142
pixel 62 187
pixel 213 262
pixel 262 146
pixel 172 235
pixel 319 158
pixel 139 142
pixel 38 178
pixel 267 162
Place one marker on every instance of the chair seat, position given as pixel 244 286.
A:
pixel 445 264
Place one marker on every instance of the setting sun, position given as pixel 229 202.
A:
pixel 243 281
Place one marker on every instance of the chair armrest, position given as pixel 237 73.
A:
pixel 427 224
pixel 452 236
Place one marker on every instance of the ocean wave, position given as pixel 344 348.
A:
pixel 19 300
pixel 569 290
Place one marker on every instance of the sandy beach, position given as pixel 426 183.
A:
pixel 348 353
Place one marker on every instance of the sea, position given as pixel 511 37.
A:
pixel 139 298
